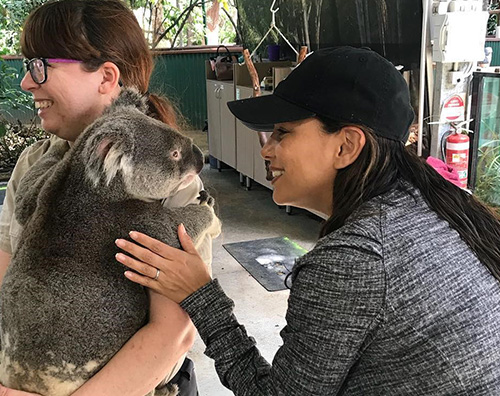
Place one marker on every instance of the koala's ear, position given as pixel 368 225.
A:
pixel 105 155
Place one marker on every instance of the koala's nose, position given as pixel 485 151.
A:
pixel 198 155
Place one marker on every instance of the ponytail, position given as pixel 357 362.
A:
pixel 162 109
pixel 384 164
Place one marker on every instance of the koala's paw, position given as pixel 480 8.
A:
pixel 206 199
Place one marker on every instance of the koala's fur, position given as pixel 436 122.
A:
pixel 66 307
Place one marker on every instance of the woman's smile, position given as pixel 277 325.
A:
pixel 302 164
pixel 42 106
pixel 277 173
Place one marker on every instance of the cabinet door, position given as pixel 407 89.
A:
pixel 228 125
pixel 244 139
pixel 214 126
pixel 259 167
pixel 244 149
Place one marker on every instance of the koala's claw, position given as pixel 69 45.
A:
pixel 206 199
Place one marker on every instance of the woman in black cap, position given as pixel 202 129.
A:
pixel 401 294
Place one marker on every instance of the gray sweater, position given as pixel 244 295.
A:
pixel 392 303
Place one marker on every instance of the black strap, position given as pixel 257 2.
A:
pixel 185 379
pixel 227 50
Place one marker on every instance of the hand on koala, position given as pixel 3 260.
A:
pixel 174 273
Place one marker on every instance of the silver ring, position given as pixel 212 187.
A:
pixel 157 274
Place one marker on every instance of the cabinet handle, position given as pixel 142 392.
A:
pixel 217 91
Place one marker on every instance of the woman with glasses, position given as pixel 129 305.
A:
pixel 78 55
pixel 400 296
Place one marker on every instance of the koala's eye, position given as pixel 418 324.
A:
pixel 176 155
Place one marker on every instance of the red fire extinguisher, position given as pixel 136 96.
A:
pixel 457 155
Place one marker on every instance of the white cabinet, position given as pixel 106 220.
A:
pixel 221 123
pixel 259 166
pixel 248 159
pixel 229 141
pixel 245 139
pixel 213 113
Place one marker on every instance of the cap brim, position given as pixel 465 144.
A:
pixel 261 113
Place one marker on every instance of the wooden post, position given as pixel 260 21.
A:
pixel 302 54
pixel 263 136
pixel 253 73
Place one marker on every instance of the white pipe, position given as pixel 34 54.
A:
pixel 421 97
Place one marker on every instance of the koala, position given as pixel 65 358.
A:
pixel 65 306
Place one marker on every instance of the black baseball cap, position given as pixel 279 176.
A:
pixel 346 84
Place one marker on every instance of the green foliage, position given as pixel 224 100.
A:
pixel 16 139
pixel 254 19
pixel 135 4
pixel 183 25
pixel 492 21
pixel 178 23
pixel 227 34
pixel 13 13
pixel 488 164
pixel 488 168
pixel 14 136
pixel 11 98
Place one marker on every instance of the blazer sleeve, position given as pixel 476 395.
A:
pixel 336 304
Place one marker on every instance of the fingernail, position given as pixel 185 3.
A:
pixel 119 256
pixel 133 234
pixel 182 228
pixel 120 242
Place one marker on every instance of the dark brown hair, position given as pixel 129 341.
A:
pixel 384 165
pixel 96 31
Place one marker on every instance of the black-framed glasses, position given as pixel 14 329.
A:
pixel 38 67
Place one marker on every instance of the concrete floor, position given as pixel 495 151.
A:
pixel 248 215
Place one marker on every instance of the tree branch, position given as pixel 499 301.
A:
pixel 238 33
pixel 319 6
pixel 306 12
pixel 174 24
pixel 186 17
pixel 165 19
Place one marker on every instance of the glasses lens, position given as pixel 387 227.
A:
pixel 37 70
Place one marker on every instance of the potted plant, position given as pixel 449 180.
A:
pixel 491 27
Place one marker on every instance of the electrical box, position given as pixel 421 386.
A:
pixel 458 30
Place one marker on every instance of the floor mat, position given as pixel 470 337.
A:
pixel 269 261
